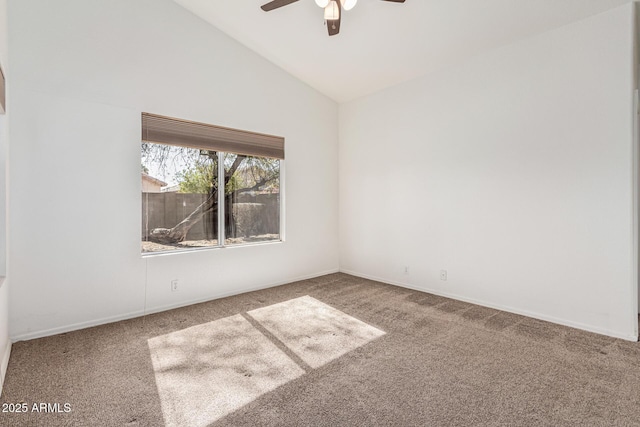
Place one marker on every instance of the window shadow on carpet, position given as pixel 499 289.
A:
pixel 205 372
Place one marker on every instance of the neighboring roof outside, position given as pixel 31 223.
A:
pixel 149 178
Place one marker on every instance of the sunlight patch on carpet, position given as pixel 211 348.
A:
pixel 314 331
pixel 206 372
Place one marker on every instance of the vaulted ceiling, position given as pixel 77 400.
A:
pixel 382 43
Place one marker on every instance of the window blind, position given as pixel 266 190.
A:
pixel 168 130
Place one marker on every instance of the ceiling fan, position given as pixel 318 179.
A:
pixel 332 10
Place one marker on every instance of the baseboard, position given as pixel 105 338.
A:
pixel 4 364
pixel 75 326
pixel 139 313
pixel 526 313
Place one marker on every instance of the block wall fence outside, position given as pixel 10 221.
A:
pixel 164 210
pixel 258 214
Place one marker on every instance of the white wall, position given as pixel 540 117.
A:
pixel 512 171
pixel 5 343
pixel 81 81
pixel 636 161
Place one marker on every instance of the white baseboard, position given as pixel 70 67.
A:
pixel 75 326
pixel 138 313
pixel 538 316
pixel 4 363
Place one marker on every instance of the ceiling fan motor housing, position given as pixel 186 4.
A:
pixel 332 12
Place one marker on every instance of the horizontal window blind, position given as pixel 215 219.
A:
pixel 168 130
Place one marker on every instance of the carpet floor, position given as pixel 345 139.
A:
pixel 331 351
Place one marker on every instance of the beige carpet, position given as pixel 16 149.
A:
pixel 208 371
pixel 332 351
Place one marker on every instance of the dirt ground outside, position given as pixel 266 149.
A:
pixel 153 247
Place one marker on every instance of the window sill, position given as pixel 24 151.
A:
pixel 212 248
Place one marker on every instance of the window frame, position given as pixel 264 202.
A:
pixel 271 144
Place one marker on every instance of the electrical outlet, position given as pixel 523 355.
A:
pixel 174 285
pixel 443 274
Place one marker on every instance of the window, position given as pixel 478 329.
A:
pixel 184 164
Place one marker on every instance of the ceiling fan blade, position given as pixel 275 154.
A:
pixel 333 25
pixel 276 4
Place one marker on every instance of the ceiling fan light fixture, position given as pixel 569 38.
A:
pixel 322 3
pixel 332 11
pixel 348 4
